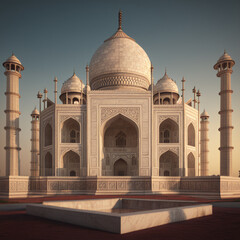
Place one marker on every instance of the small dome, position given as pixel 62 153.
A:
pixel 204 114
pixel 166 84
pixel 73 84
pixel 13 59
pixel 35 112
pixel 224 57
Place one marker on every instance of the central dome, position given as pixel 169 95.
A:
pixel 120 62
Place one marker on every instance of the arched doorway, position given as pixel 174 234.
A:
pixel 120 136
pixel 169 164
pixel 168 131
pixel 120 168
pixel 71 164
pixel 72 173
pixel 166 173
pixel 191 165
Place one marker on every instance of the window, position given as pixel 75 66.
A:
pixel 168 131
pixel 191 135
pixel 121 139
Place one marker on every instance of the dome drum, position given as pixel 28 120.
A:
pixel 165 98
pixel 117 80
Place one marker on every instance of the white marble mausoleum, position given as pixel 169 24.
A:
pixel 119 133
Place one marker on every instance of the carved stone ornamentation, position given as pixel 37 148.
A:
pixel 119 79
pixel 64 150
pixel 63 118
pixel 161 118
pixel 130 112
pixel 162 150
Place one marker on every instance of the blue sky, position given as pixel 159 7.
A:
pixel 51 38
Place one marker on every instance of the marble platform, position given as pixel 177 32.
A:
pixel 212 187
pixel 120 215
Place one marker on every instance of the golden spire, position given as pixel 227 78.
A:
pixel 119 20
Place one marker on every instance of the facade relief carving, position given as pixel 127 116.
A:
pixel 162 150
pixel 63 118
pixel 132 113
pixel 64 150
pixel 127 156
pixel 161 118
pixel 119 79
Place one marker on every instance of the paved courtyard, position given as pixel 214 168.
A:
pixel 223 224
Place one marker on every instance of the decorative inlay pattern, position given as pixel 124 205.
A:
pixel 162 150
pixel 175 118
pixel 65 117
pixel 131 112
pixel 74 149
pixel 126 156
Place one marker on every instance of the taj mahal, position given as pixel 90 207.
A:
pixel 119 133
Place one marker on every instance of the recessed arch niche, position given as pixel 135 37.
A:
pixel 119 135
pixel 191 165
pixel 70 131
pixel 71 164
pixel 168 131
pixel 169 164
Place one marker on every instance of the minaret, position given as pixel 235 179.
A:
pixel 224 66
pixel 204 144
pixel 183 173
pixel 35 143
pixel 55 90
pixel 13 69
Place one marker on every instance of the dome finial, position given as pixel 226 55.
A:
pixel 165 71
pixel 225 51
pixel 119 20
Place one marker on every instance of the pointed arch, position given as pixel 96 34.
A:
pixel 48 164
pixel 166 100
pixel 120 168
pixel 191 135
pixel 191 165
pixel 120 126
pixel 71 164
pixel 168 131
pixel 48 135
pixel 119 134
pixel 169 164
pixel 76 100
pixel 70 132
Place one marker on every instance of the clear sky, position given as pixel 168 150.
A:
pixel 51 38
